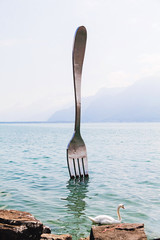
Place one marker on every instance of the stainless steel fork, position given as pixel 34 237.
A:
pixel 76 150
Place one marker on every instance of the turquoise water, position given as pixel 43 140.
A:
pixel 124 167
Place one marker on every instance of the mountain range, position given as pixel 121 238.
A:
pixel 139 102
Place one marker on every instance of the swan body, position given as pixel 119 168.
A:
pixel 105 219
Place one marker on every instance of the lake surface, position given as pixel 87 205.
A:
pixel 124 167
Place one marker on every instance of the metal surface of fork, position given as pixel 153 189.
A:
pixel 76 150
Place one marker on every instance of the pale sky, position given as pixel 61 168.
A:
pixel 36 39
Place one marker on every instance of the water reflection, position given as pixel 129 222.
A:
pixel 4 196
pixel 76 206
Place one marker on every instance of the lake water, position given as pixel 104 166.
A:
pixel 124 167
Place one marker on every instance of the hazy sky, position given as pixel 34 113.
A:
pixel 36 39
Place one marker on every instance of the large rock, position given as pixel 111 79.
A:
pixel 17 225
pixel 56 237
pixel 123 231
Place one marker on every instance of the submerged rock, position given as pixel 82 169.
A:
pixel 18 225
pixel 46 229
pixel 86 238
pixel 125 231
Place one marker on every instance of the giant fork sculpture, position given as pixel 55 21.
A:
pixel 76 150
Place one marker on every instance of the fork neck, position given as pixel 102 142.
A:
pixel 77 118
pixel 77 87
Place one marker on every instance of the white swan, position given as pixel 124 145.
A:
pixel 104 219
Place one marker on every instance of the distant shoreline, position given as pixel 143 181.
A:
pixel 39 122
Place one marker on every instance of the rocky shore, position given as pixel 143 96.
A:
pixel 18 225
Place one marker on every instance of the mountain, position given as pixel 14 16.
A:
pixel 67 114
pixel 138 103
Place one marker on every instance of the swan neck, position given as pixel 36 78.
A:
pixel 118 213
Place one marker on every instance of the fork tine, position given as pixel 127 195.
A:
pixel 85 166
pixel 76 167
pixel 80 167
pixel 71 167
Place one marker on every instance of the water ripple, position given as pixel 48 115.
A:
pixel 124 162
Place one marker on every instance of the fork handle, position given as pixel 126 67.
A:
pixel 77 60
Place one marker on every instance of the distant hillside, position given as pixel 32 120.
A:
pixel 139 102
